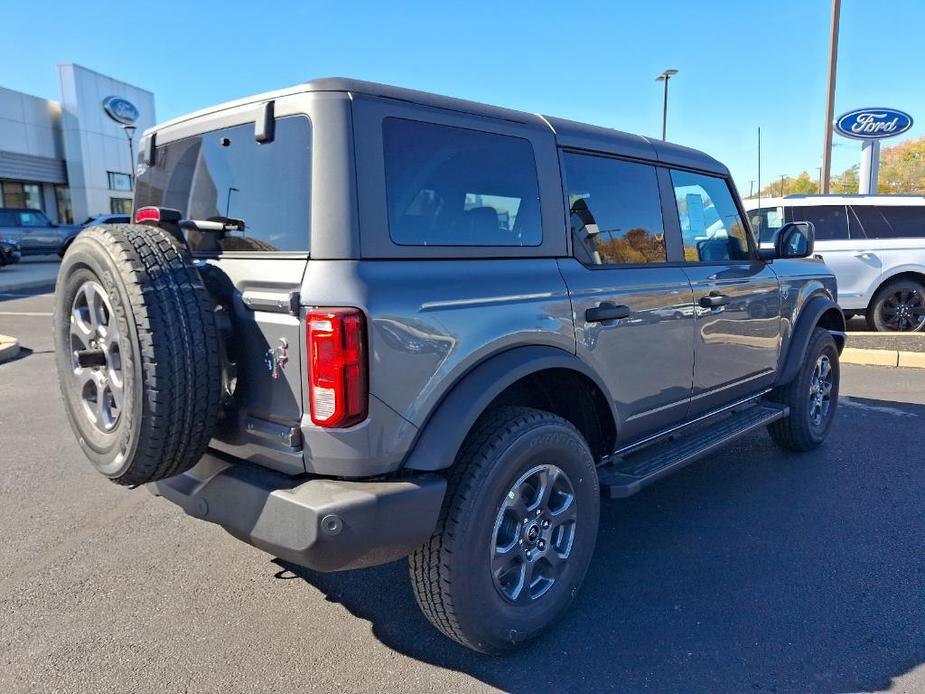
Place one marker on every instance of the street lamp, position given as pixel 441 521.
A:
pixel 664 77
pixel 130 133
pixel 228 198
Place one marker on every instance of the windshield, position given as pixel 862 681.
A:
pixel 766 221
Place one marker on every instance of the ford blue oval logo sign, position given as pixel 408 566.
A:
pixel 873 123
pixel 120 110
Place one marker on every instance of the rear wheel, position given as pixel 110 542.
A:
pixel 898 307
pixel 812 397
pixel 137 352
pixel 516 534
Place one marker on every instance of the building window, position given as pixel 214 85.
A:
pixel 120 205
pixel 63 200
pixel 120 181
pixel 16 194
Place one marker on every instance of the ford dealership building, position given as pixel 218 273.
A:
pixel 72 158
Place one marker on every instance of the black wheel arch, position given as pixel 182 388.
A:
pixel 486 384
pixel 819 311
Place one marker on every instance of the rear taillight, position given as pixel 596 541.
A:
pixel 147 214
pixel 337 366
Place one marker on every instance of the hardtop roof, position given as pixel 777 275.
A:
pixel 568 133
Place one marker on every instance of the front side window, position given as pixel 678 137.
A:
pixel 33 218
pixel 710 223
pixel 615 212
pixel 766 222
pixel 227 173
pixel 830 221
pixel 449 186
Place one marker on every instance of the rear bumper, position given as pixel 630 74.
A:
pixel 326 525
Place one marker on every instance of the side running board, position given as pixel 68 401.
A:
pixel 629 474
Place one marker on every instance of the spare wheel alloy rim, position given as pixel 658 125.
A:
pixel 96 357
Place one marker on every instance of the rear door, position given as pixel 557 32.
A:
pixel 852 257
pixel 38 235
pixel 226 172
pixel 632 303
pixel 736 296
pixel 896 233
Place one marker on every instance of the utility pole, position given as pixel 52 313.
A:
pixel 819 169
pixel 782 177
pixel 830 101
pixel 664 77
pixel 751 188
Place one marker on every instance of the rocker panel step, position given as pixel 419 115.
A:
pixel 628 475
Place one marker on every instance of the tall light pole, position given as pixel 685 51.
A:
pixel 664 77
pixel 231 189
pixel 130 133
pixel 830 100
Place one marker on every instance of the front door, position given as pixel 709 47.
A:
pixel 632 308
pixel 736 297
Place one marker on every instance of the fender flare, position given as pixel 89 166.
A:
pixel 448 425
pixel 806 322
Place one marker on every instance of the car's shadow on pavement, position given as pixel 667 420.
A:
pixel 751 570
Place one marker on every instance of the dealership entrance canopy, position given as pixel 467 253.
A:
pixel 71 158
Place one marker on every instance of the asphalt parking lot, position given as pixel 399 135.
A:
pixel 753 570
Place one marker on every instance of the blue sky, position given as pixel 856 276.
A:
pixel 742 64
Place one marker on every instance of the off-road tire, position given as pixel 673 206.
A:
pixel 797 432
pixel 169 353
pixel 451 577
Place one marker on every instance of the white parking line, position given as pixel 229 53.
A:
pixel 24 313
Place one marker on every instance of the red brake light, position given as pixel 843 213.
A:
pixel 337 366
pixel 147 214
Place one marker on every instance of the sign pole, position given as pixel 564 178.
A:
pixel 830 100
pixel 870 167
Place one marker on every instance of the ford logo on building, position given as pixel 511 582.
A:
pixel 873 123
pixel 120 110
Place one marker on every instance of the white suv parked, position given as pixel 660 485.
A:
pixel 875 245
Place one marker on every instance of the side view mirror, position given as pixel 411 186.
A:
pixel 793 240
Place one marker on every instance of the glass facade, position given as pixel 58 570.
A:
pixel 21 194
pixel 120 205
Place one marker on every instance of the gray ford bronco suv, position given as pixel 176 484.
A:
pixel 352 323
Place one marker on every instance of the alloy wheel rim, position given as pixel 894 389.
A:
pixel 820 391
pixel 903 311
pixel 534 534
pixel 96 357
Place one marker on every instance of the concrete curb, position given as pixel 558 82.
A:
pixel 9 348
pixel 883 357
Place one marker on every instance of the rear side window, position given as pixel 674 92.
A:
pixel 901 222
pixel 615 211
pixel 831 221
pixel 227 173
pixel 8 219
pixel 449 186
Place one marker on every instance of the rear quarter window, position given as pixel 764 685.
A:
pixel 449 186
pixel 227 173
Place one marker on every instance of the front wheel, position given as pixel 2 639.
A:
pixel 812 397
pixel 516 533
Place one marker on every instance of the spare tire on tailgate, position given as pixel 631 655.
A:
pixel 137 351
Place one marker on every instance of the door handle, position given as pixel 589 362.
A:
pixel 607 311
pixel 861 254
pixel 713 300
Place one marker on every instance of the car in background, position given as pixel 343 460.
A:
pixel 875 245
pixel 33 231
pixel 106 219
pixel 93 222
pixel 9 252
